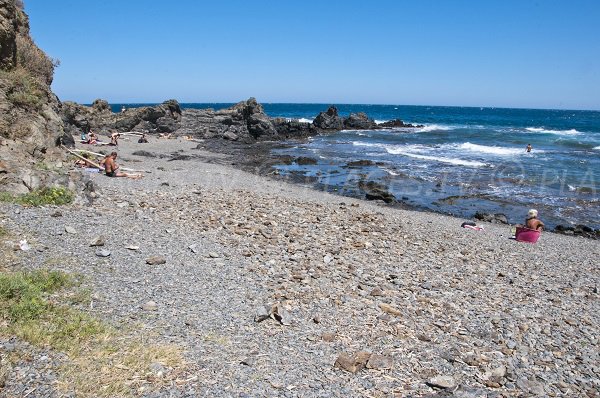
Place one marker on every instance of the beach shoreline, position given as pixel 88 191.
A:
pixel 473 311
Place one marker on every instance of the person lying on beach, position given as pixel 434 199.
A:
pixel 114 139
pixel 92 138
pixel 111 168
pixel 532 222
pixel 167 136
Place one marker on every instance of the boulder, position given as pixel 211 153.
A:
pixel 329 120
pixel 397 123
pixel 497 218
pixel 376 191
pixel 359 121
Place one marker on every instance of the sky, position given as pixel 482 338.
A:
pixel 504 53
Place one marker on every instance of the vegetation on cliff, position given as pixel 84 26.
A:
pixel 26 73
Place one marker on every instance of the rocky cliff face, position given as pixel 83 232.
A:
pixel 29 122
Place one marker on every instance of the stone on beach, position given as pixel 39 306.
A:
pixel 156 260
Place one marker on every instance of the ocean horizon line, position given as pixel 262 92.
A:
pixel 327 104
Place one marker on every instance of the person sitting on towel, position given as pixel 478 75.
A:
pixel 111 168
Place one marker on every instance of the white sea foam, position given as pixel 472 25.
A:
pixel 390 172
pixel 433 127
pixel 495 150
pixel 455 161
pixel 380 121
pixel 305 120
pixel 597 148
pixel 549 131
pixel 368 144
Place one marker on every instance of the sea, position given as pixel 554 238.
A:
pixel 463 159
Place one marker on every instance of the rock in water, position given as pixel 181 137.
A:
pixel 156 260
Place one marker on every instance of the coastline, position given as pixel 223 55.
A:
pixel 486 312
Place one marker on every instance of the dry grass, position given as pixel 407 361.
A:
pixel 103 361
pixel 121 367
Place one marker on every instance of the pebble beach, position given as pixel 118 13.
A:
pixel 277 290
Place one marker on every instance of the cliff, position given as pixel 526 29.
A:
pixel 29 121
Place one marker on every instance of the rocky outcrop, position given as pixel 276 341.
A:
pixel 376 191
pixel 29 121
pixel 360 121
pixel 397 123
pixel 163 118
pixel 245 121
pixel 578 230
pixel 497 218
pixel 329 120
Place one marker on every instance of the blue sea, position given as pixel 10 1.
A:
pixel 463 160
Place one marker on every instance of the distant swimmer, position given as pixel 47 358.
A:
pixel 528 149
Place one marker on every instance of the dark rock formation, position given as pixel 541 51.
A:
pixel 329 120
pixel 304 160
pixel 360 121
pixel 294 129
pixel 376 191
pixel 578 230
pixel 163 118
pixel 246 122
pixel 360 163
pixel 497 218
pixel 397 123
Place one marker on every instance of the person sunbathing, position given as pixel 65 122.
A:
pixel 92 138
pixel 114 139
pixel 111 168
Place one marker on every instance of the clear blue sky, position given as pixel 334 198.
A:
pixel 507 53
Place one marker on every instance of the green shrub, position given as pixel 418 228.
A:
pixel 34 60
pixel 46 196
pixel 24 90
pixel 22 293
pixel 24 304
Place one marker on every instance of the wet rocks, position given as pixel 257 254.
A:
pixel 303 161
pixel 376 191
pixel 497 218
pixel 359 121
pixel 578 230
